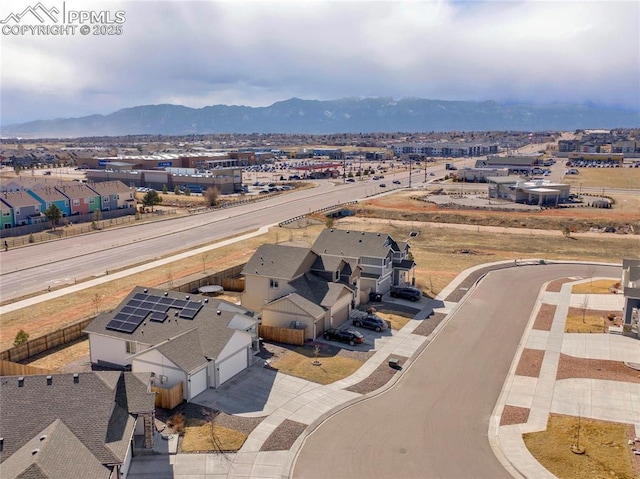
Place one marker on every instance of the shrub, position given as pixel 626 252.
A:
pixel 21 337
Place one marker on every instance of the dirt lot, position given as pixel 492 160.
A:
pixel 605 178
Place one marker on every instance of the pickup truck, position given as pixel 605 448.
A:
pixel 405 292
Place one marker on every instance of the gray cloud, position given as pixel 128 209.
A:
pixel 255 53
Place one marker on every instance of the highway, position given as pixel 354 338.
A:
pixel 32 269
pixel 433 423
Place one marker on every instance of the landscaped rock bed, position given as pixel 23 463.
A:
pixel 378 378
pixel 283 437
pixel 530 363
pixel 544 319
pixel 572 367
pixel 514 415
pixel 428 325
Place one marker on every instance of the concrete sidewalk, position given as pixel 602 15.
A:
pixel 280 397
pixel 590 398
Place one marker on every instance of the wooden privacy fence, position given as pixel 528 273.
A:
pixel 282 335
pixel 43 343
pixel 7 368
pixel 168 398
pixel 229 279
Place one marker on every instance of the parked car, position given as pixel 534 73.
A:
pixel 349 336
pixel 371 321
pixel 406 292
pixel 382 185
pixel 397 182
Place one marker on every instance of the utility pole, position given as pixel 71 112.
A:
pixel 409 171
pixel 426 162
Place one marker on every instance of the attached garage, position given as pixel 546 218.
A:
pixel 198 383
pixel 232 365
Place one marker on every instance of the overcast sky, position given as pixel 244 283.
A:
pixel 256 53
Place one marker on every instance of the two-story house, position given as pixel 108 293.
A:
pixel 382 261
pixel 316 288
pixel 26 209
pixel 6 215
pixel 48 196
pixel 82 199
pixel 115 195
pixel 288 285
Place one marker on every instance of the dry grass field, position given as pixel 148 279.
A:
pixel 625 178
pixel 606 453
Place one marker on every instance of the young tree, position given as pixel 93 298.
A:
pixel 187 191
pixel 211 195
pixel 21 338
pixel 176 190
pixel 164 189
pixel 151 198
pixel 53 214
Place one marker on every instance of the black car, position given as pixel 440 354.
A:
pixel 348 336
pixel 412 294
pixel 371 321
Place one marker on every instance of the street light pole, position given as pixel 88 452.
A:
pixel 409 171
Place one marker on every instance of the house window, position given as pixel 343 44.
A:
pixel 273 284
pixel 76 202
pixel 105 199
pixel 92 201
pixel 131 347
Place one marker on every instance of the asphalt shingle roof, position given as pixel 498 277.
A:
pixel 208 331
pixel 352 244
pixel 278 261
pixel 91 412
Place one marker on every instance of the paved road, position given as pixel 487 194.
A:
pixel 433 423
pixel 32 269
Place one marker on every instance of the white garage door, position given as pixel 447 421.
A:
pixel 198 382
pixel 233 365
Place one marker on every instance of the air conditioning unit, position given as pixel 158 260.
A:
pixel 163 379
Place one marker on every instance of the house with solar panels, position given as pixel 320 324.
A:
pixel 199 341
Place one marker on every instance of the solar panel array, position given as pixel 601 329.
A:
pixel 142 305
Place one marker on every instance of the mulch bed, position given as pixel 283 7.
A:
pixel 514 415
pixel 530 363
pixel 283 437
pixel 572 367
pixel 378 378
pixel 556 286
pixel 428 325
pixel 544 319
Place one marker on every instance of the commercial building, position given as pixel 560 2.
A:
pixel 536 192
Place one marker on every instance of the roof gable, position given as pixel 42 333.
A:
pixel 279 261
pixel 96 409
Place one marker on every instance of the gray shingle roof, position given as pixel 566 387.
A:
pixel 209 328
pixel 319 291
pixel 55 452
pixel 96 410
pixel 306 305
pixel 278 261
pixel 352 244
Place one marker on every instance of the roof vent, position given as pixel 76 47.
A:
pixel 35 451
pixel 146 290
pixel 166 294
pixel 359 241
pixel 363 233
pixel 43 437
pixel 187 297
pixel 378 234
pixel 347 231
pixel 206 300
pixel 76 378
pixel 49 380
pixel 218 312
pixel 21 381
pixel 331 230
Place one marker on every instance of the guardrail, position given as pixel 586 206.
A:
pixel 321 210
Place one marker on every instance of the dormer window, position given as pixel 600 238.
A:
pixel 273 284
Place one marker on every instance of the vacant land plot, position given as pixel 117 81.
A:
pixel 606 453
pixel 601 286
pixel 405 206
pixel 627 178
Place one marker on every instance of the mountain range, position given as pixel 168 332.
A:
pixel 347 115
